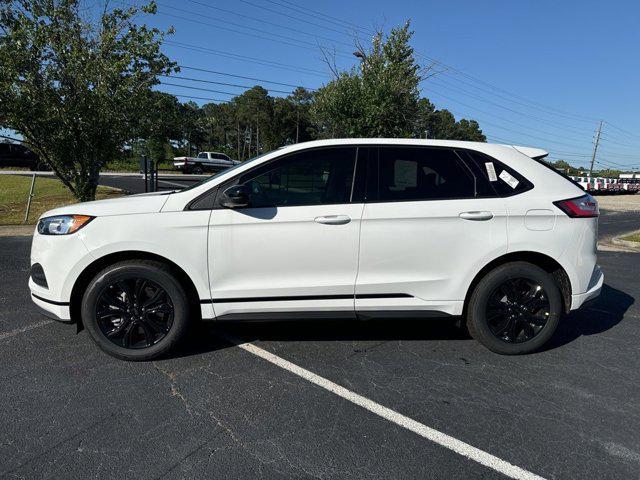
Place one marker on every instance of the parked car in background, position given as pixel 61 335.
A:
pixel 14 155
pixel 205 162
pixel 366 228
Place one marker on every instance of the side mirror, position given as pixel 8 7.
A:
pixel 238 196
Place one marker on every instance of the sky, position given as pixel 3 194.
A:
pixel 538 73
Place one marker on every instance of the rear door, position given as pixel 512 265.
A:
pixel 429 222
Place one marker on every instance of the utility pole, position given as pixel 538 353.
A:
pixel 595 148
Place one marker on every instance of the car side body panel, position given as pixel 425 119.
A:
pixel 421 255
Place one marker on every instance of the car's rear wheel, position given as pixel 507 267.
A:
pixel 514 309
pixel 136 310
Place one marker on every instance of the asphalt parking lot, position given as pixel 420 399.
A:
pixel 216 410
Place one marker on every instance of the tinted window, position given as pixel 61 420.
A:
pixel 315 177
pixel 504 180
pixel 219 156
pixel 202 155
pixel 415 173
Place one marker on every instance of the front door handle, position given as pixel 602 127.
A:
pixel 333 219
pixel 477 216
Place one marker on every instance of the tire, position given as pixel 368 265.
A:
pixel 514 309
pixel 127 314
pixel 197 171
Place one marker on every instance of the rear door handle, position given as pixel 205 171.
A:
pixel 333 219
pixel 477 216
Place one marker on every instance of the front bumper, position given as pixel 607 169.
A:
pixel 55 264
pixel 593 290
pixel 57 310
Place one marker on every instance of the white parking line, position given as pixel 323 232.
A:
pixel 26 328
pixel 182 185
pixel 424 431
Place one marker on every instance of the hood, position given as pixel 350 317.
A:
pixel 128 205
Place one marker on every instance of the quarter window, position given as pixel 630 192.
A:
pixel 504 180
pixel 410 173
pixel 314 177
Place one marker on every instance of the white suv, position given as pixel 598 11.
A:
pixel 355 228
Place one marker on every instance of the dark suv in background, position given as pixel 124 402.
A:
pixel 16 155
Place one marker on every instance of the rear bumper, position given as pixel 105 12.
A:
pixel 593 291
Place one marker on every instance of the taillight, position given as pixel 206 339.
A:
pixel 580 207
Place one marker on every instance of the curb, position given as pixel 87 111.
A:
pixel 632 246
pixel 17 230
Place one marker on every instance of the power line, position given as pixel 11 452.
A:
pixel 198 88
pixel 261 21
pixel 621 130
pixel 537 137
pixel 246 87
pixel 245 58
pixel 495 88
pixel 502 118
pixel 331 19
pixel 262 37
pixel 280 38
pixel 291 16
pixel 199 98
pixel 464 92
pixel 242 76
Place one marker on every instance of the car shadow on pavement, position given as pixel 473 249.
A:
pixel 606 312
pixel 211 336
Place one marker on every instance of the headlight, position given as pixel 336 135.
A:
pixel 62 224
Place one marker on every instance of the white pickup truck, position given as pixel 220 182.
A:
pixel 204 162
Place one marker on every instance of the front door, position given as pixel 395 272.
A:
pixel 295 248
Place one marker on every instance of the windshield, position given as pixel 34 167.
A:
pixel 213 177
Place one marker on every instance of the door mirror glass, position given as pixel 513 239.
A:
pixel 237 196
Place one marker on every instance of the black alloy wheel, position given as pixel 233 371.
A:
pixel 134 313
pixel 517 310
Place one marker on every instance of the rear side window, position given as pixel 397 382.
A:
pixel 418 173
pixel 313 177
pixel 504 180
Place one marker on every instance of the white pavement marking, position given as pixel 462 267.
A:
pixel 447 441
pixel 26 328
pixel 181 185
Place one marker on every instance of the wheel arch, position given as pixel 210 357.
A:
pixel 99 264
pixel 547 263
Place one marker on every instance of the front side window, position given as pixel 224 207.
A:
pixel 202 155
pixel 315 177
pixel 418 173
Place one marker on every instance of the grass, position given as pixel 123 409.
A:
pixel 632 238
pixel 48 193
pixel 133 165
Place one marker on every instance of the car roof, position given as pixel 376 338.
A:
pixel 479 146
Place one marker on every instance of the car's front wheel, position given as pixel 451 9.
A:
pixel 136 310
pixel 514 309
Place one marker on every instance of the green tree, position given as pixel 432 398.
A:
pixel 441 124
pixel 76 90
pixel 378 99
pixel 161 124
pixel 292 119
